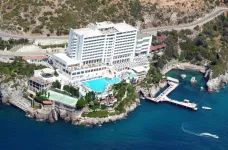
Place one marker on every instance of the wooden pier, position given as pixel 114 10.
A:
pixel 173 84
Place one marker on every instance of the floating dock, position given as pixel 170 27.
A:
pixel 173 84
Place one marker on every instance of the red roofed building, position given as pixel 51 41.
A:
pixel 161 38
pixel 157 47
pixel 109 101
pixel 36 59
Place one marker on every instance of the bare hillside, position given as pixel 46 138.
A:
pixel 55 17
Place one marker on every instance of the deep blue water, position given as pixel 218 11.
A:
pixel 150 126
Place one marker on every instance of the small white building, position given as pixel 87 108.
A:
pixel 36 59
pixel 141 72
pixel 37 84
pixel 73 69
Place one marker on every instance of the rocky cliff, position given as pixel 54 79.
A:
pixel 98 121
pixel 12 90
pixel 13 93
pixel 54 17
pixel 217 83
pixel 156 88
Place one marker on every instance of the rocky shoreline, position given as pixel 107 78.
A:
pixel 217 83
pixel 213 84
pixel 98 121
pixel 14 95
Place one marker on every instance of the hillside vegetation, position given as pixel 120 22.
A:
pixel 55 17
pixel 19 68
pixel 203 46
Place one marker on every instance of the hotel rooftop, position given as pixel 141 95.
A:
pixel 68 61
pixel 103 28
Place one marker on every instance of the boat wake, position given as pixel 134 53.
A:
pixel 204 134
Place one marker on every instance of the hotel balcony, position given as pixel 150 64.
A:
pixel 86 66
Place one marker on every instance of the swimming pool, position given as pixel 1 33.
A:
pixel 132 75
pixel 99 85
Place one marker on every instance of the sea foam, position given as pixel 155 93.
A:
pixel 204 134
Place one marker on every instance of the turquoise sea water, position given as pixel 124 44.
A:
pixel 150 127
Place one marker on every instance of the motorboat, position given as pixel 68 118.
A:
pixel 206 108
pixel 216 137
pixel 186 101
pixel 193 80
pixel 183 76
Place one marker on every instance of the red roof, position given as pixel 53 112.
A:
pixel 35 57
pixel 157 47
pixel 47 102
pixel 108 100
pixel 161 38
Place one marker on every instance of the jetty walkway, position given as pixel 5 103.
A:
pixel 173 84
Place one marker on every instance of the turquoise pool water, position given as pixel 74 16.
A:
pixel 130 76
pixel 99 85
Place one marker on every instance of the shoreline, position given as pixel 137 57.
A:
pixel 88 121
pixel 182 66
pixel 14 96
pixel 213 84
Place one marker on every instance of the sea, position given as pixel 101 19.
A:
pixel 150 127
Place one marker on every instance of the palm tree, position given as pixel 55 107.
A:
pixel 48 94
pixel 45 92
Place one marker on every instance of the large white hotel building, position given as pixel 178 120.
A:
pixel 103 44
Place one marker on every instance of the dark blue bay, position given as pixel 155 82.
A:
pixel 150 127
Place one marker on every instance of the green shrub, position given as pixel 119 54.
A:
pixel 96 114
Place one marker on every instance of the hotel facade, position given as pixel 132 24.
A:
pixel 94 49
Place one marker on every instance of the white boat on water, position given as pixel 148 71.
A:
pixel 183 76
pixel 216 137
pixel 207 108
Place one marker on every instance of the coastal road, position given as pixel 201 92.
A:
pixel 37 53
pixel 217 11
pixel 31 37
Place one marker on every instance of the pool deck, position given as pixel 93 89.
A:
pixel 100 84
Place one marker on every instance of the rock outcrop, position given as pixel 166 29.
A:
pixel 98 121
pixel 40 116
pixel 53 116
pixel 12 89
pixel 217 83
pixel 156 88
pixel 13 92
